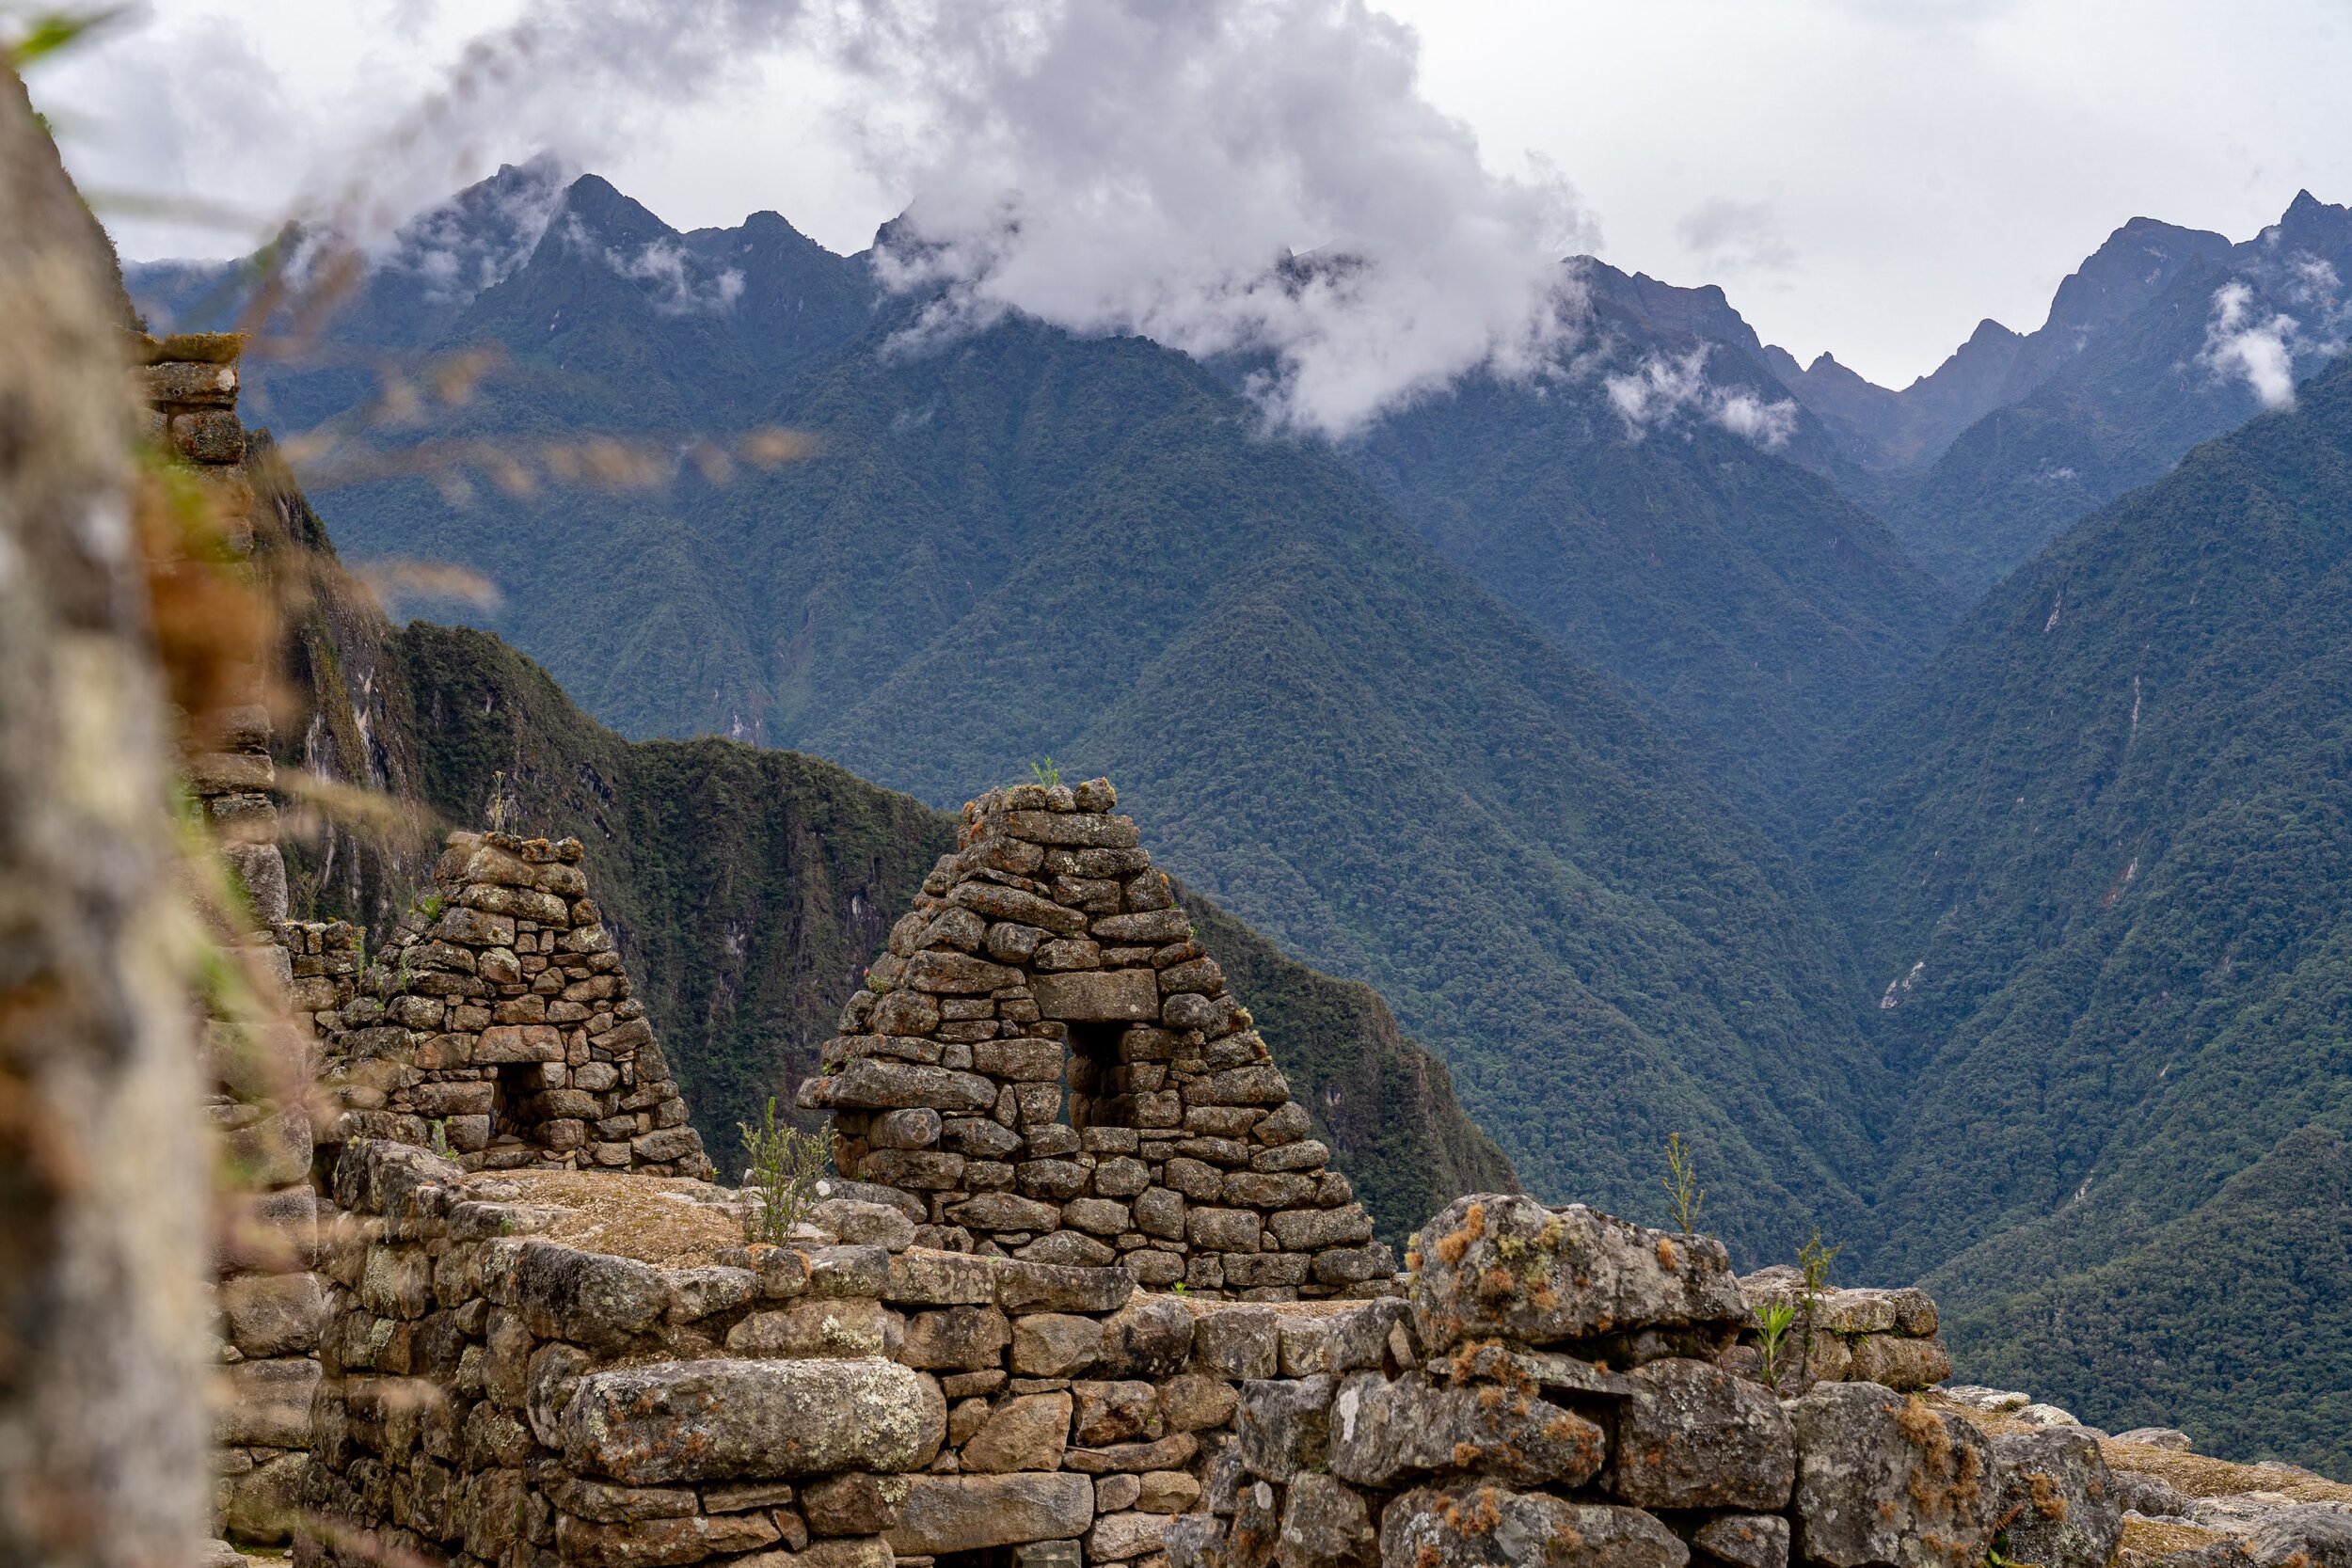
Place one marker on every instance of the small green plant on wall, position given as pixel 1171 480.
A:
pixel 785 1166
pixel 1684 1195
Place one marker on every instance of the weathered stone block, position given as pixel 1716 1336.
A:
pixel 1028 1432
pixel 1118 1537
pixel 867 1084
pixel 1744 1540
pixel 1224 1229
pixel 1237 1342
pixel 1051 1288
pixel 1285 1425
pixel 859 1503
pixel 656 1543
pixel 816 1326
pixel 968 1513
pixel 519 1043
pixel 959 1339
pixel 1149 1337
pixel 1326 1524
pixel 753 1418
pixel 589 1298
pixel 2059 1498
pixel 268 1315
pixel 1693 1435
pixel 1573 1273
pixel 1885 1480
pixel 1900 1364
pixel 1313 1229
pixel 266 1404
pixel 954 973
pixel 1114 1412
pixel 1101 996
pixel 1055 1344
pixel 1077 830
pixel 1465 1525
pixel 1385 1430
pixel 997 902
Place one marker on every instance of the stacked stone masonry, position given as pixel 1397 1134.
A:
pixel 1556 1389
pixel 1866 1336
pixel 500 1025
pixel 268 1301
pixel 1045 1065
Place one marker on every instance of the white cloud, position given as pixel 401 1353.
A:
pixel 1660 390
pixel 1735 237
pixel 2261 351
pixel 1134 167
pixel 676 285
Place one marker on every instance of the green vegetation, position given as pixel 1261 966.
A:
pixel 1684 1195
pixel 781 1167
pixel 1758 614
pixel 2095 862
pixel 1771 1328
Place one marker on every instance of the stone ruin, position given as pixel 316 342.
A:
pixel 1555 1388
pixel 499 1024
pixel 1046 966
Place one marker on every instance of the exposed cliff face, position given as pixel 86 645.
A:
pixel 748 889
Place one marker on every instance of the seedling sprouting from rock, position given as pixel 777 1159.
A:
pixel 1681 1181
pixel 786 1165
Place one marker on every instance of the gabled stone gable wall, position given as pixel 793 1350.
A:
pixel 1046 1064
pixel 501 1021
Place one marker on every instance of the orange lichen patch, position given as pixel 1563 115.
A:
pixel 1451 1247
pixel 1464 1455
pixel 2048 1501
pixel 1496 1285
pixel 665 1221
pixel 1667 1259
pixel 1490 1398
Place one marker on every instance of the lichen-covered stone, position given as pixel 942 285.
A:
pixel 1693 1435
pixel 1285 1425
pixel 1497 1264
pixel 1383 1431
pixel 1744 1540
pixel 1884 1480
pixel 2057 1502
pixel 783 1419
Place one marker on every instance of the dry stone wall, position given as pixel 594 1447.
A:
pixel 1047 1066
pixel 499 1024
pixel 1552 1392
pixel 1860 1334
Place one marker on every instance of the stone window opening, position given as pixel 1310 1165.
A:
pixel 1089 1062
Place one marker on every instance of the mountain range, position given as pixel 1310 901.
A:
pixel 1632 729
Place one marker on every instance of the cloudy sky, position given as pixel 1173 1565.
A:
pixel 1868 176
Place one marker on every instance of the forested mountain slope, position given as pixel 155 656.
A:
pixel 2098 860
pixel 749 889
pixel 1756 612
